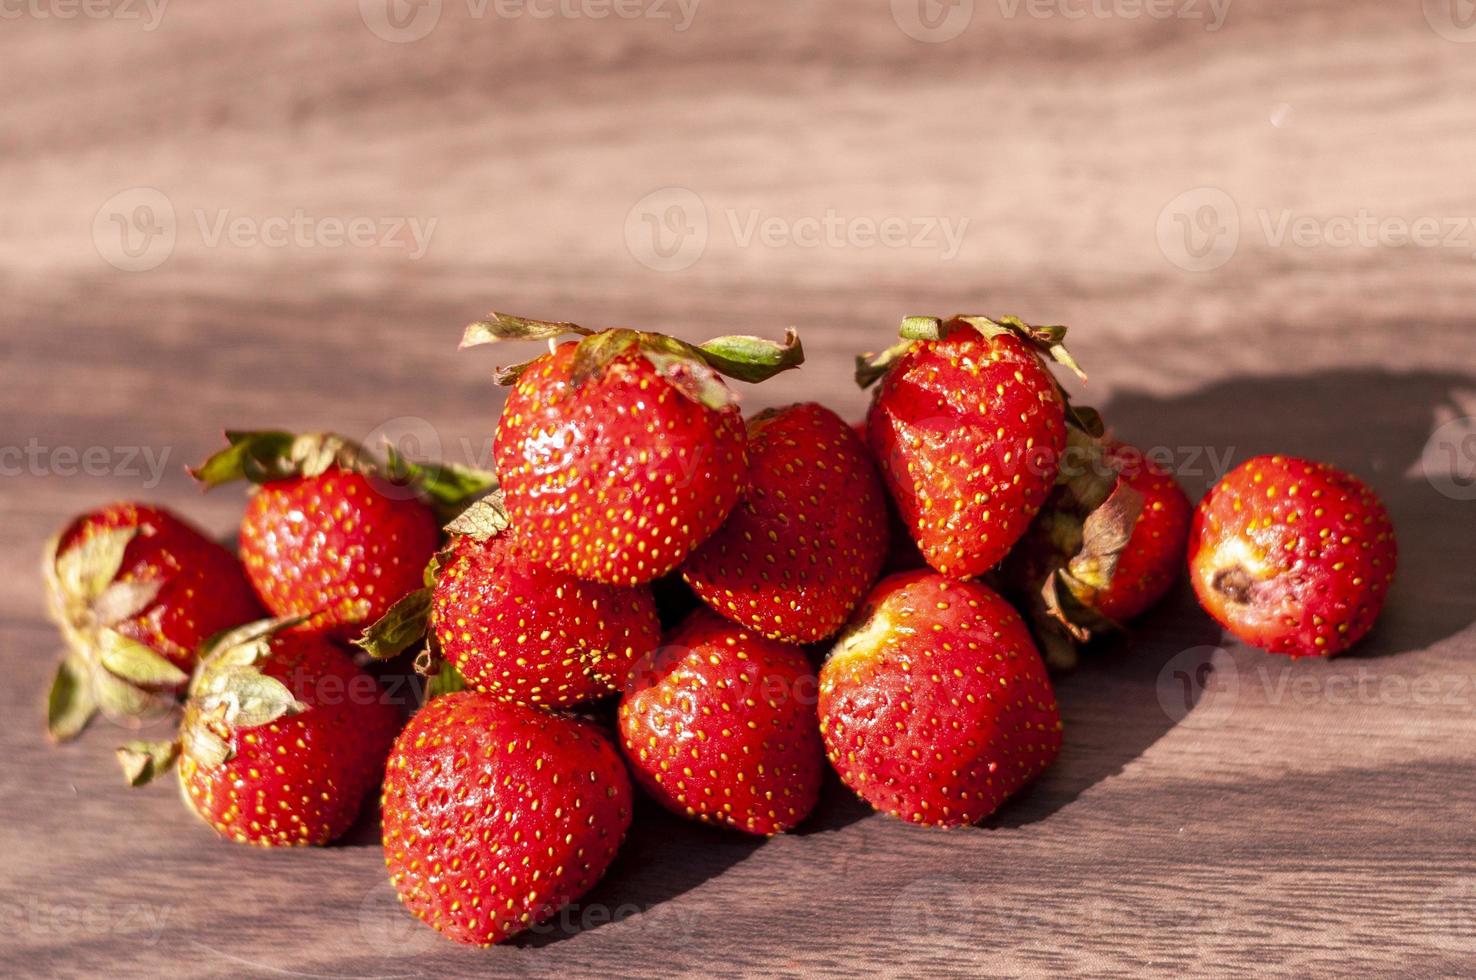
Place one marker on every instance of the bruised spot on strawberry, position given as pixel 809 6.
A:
pixel 1234 583
pixel 1292 556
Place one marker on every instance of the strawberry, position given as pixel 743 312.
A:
pixel 621 452
pixel 902 553
pixel 514 628
pixel 809 536
pixel 496 814
pixel 281 739
pixel 330 532
pixel 935 706
pixel 1292 556
pixel 1108 545
pixel 968 428
pixel 135 591
pixel 719 725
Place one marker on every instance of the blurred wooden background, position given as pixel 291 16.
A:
pixel 1258 219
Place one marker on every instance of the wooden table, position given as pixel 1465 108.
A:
pixel 1217 212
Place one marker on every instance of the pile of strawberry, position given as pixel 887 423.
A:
pixel 641 594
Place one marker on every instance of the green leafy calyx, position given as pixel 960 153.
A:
pixel 695 370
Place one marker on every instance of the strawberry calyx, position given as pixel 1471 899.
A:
pixel 695 370
pixel 1048 341
pixel 265 456
pixel 1078 538
pixel 102 669
pixel 228 692
pixel 405 623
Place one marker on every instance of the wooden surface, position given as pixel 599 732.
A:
pixel 1299 819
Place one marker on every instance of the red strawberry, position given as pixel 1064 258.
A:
pixel 518 630
pixel 935 706
pixel 1152 560
pixel 968 428
pixel 281 740
pixel 496 814
pixel 1108 545
pixel 135 590
pixel 719 725
pixel 330 532
pixel 809 536
pixel 1292 556
pixel 621 452
pixel 902 553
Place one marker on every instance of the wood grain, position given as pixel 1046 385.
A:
pixel 1295 819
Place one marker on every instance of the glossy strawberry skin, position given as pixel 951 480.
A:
pixel 530 634
pixel 809 536
pixel 205 590
pixel 1154 557
pixel 968 432
pixel 342 545
pixel 1292 556
pixel 301 779
pixel 618 479
pixel 719 725
pixel 935 706
pixel 496 814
